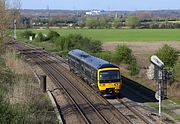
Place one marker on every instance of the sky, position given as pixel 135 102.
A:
pixel 109 5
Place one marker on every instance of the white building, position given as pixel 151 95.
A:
pixel 96 12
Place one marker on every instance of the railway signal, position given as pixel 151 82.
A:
pixel 158 76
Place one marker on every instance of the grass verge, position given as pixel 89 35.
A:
pixel 21 99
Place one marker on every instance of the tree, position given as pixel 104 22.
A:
pixel 3 22
pixel 102 23
pixel 168 55
pixel 132 21
pixel 116 23
pixel 6 19
pixel 91 23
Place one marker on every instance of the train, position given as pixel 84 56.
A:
pixel 97 72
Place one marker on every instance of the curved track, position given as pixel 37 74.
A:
pixel 90 111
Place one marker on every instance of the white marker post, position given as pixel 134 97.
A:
pixel 159 98
pixel 15 29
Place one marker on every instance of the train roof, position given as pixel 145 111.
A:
pixel 93 61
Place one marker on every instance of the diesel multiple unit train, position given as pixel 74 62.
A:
pixel 98 72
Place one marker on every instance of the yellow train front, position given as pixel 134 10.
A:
pixel 109 81
pixel 97 72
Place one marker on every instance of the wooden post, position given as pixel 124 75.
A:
pixel 43 83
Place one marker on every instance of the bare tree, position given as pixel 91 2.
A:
pixel 3 21
pixel 8 14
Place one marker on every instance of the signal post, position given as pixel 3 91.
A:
pixel 157 72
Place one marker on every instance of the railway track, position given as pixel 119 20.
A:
pixel 131 107
pixel 90 112
pixel 82 104
pixel 59 74
pixel 133 110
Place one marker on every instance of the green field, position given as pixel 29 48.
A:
pixel 122 34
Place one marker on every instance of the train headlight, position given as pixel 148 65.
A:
pixel 102 84
pixel 116 84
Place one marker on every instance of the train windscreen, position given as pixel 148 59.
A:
pixel 109 76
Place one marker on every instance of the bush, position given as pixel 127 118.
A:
pixel 122 55
pixel 6 75
pixel 26 34
pixel 133 68
pixel 40 37
pixel 107 55
pixel 12 114
pixel 94 46
pixel 52 35
pixel 76 41
pixel 60 42
pixel 176 71
pixel 168 55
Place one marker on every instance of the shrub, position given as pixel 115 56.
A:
pixel 107 55
pixel 94 46
pixel 40 37
pixel 26 34
pixel 60 42
pixel 6 75
pixel 122 55
pixel 52 35
pixel 176 71
pixel 168 55
pixel 133 68
pixel 76 41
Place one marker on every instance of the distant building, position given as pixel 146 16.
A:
pixel 97 12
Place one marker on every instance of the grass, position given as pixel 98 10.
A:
pixel 177 72
pixel 121 34
pixel 49 46
pixel 166 110
pixel 25 102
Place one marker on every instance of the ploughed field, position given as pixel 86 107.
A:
pixel 111 35
pixel 142 50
